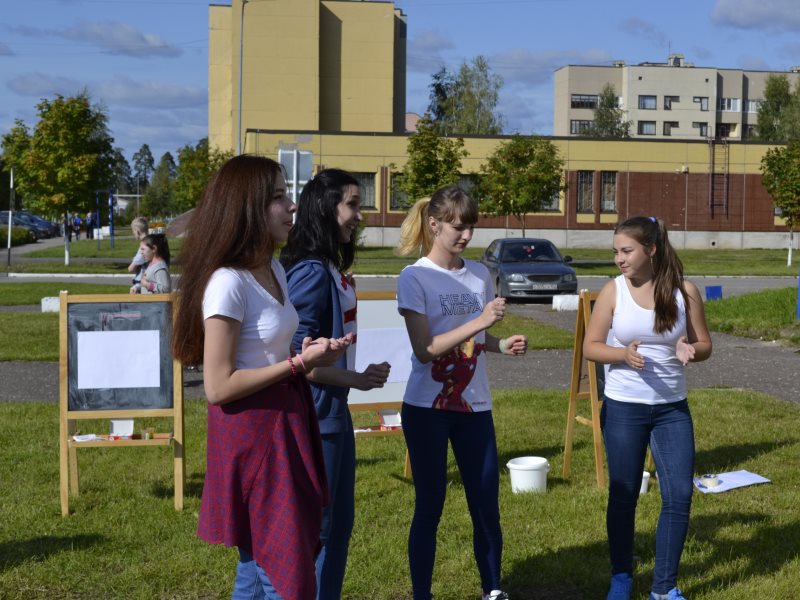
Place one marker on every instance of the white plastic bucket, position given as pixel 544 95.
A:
pixel 645 483
pixel 528 474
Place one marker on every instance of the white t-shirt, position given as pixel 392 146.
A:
pixel 663 378
pixel 267 325
pixel 457 381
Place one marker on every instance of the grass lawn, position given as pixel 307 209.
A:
pixel 124 539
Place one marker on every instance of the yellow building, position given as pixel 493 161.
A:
pixel 322 84
pixel 304 65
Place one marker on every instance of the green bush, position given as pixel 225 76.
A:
pixel 19 236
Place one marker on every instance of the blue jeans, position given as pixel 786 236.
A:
pixel 251 581
pixel 627 430
pixel 427 432
pixel 339 451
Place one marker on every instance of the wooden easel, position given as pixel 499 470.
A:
pixel 584 386
pixel 70 415
pixel 391 317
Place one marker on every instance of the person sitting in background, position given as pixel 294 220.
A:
pixel 155 279
pixel 139 228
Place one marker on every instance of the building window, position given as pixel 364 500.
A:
pixel 723 130
pixel 366 186
pixel 584 101
pixel 398 199
pixel 729 104
pixel 751 106
pixel 585 191
pixel 297 165
pixel 702 101
pixel 578 127
pixel 750 132
pixel 608 191
pixel 669 126
pixel 647 128
pixel 467 182
pixel 703 127
pixel 552 205
pixel 647 102
pixel 668 100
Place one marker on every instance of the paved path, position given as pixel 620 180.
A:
pixel 735 363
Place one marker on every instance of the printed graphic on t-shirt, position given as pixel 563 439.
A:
pixel 461 304
pixel 455 371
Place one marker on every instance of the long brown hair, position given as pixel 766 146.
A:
pixel 445 204
pixel 667 267
pixel 228 228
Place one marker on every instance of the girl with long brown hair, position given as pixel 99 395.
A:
pixel 646 326
pixel 265 483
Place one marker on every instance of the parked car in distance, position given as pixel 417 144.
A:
pixel 529 268
pixel 19 221
pixel 52 229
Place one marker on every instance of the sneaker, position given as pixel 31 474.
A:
pixel 620 588
pixel 673 594
pixel 496 595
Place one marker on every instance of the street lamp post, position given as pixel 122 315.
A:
pixel 241 64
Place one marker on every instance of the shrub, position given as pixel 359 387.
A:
pixel 19 236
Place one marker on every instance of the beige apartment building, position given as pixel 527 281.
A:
pixel 674 99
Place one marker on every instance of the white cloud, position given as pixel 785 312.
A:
pixel 40 85
pixel 424 54
pixel 526 68
pixel 771 15
pixel 645 30
pixel 114 37
pixel 124 91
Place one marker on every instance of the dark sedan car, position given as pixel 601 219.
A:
pixel 528 268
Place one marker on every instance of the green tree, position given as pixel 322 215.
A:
pixel 779 111
pixel 520 177
pixel 67 157
pixel 609 118
pixel 465 104
pixel 143 167
pixel 157 200
pixel 780 169
pixel 122 177
pixel 433 161
pixel 196 165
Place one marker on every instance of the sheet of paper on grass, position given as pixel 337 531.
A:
pixel 729 481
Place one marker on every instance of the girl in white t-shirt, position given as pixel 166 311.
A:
pixel 646 326
pixel 235 317
pixel 448 304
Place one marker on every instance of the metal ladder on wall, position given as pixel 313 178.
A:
pixel 718 162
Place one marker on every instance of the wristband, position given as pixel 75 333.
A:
pixel 292 367
pixel 302 362
pixel 502 345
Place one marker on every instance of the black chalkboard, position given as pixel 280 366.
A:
pixel 124 321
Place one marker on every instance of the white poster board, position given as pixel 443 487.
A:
pixel 382 336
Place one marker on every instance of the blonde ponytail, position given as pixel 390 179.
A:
pixel 416 236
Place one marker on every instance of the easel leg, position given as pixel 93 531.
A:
pixel 179 474
pixel 407 469
pixel 597 436
pixel 63 459
pixel 74 479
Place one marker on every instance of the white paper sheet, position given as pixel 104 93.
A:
pixel 729 481
pixel 118 359
pixel 390 345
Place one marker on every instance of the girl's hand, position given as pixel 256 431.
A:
pixel 515 345
pixel 632 357
pixel 322 352
pixel 684 350
pixel 374 376
pixel 494 311
pixel 143 281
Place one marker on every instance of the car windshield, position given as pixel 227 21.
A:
pixel 539 252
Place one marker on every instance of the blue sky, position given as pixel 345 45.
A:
pixel 146 60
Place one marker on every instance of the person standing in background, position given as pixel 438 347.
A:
pixel 320 249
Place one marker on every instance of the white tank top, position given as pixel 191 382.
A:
pixel 662 380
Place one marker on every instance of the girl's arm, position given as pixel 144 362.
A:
pixel 427 347
pixel 224 383
pixel 595 346
pixel 696 346
pixel 374 376
pixel 516 345
pixel 159 283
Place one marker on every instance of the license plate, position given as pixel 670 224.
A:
pixel 544 286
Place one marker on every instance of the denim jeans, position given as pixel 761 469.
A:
pixel 627 429
pixel 251 581
pixel 427 432
pixel 339 451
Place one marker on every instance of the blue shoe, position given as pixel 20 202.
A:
pixel 620 589
pixel 673 594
